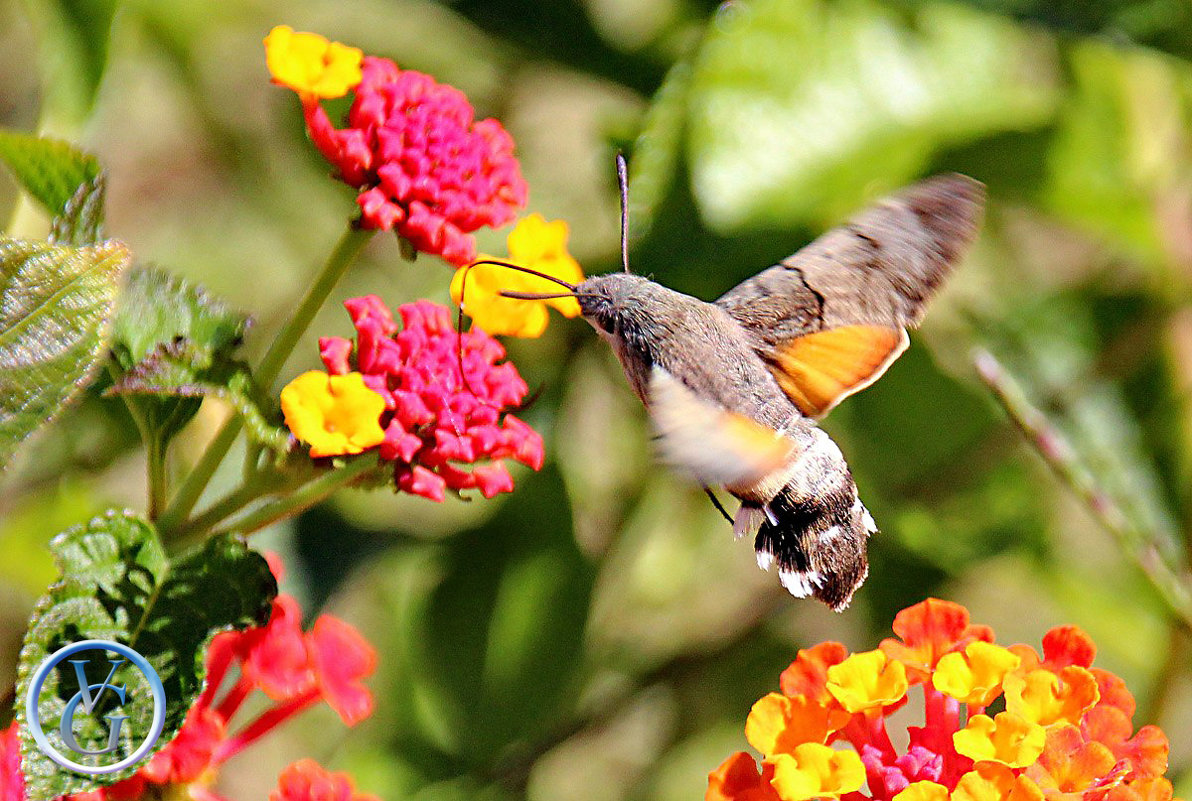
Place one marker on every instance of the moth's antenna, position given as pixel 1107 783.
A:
pixel 623 182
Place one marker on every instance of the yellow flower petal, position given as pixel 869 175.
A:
pixel 974 676
pixel 1008 739
pixel 778 723
pixel 334 414
pixel 1046 698
pixel 541 245
pixel 311 65
pixel 923 791
pixel 867 680
pixel 481 300
pixel 991 781
pixel 816 771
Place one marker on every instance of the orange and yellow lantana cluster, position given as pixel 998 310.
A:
pixel 1063 732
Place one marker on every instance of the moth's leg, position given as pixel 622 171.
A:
pixel 716 502
pixel 748 520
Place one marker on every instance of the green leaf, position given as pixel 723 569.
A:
pixel 53 172
pixel 801 107
pixel 55 303
pixel 174 344
pixel 116 583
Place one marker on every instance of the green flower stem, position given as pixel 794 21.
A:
pixel 345 252
pixel 303 497
pixel 159 490
pixel 251 490
pixel 155 454
pixel 1169 580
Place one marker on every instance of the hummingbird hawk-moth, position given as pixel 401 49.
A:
pixel 734 387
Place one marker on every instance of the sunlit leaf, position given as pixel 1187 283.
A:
pixel 55 303
pixel 174 344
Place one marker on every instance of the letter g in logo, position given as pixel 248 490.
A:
pixel 87 697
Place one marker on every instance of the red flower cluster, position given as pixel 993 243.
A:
pixel 295 669
pixel 425 168
pixel 437 417
pixel 306 780
pixel 12 781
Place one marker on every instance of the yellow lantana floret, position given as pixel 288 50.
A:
pixel 816 771
pixel 498 315
pixel 334 414
pixel 1045 697
pixel 923 791
pixel 779 723
pixel 311 65
pixel 535 243
pixel 540 244
pixel 867 680
pixel 992 781
pixel 974 676
pixel 1007 739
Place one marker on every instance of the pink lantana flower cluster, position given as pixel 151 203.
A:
pixel 424 166
pixel 447 396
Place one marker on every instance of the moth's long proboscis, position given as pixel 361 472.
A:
pixel 520 268
pixel 515 295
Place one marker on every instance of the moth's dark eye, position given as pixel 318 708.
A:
pixel 607 322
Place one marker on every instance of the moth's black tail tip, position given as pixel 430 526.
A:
pixel 818 544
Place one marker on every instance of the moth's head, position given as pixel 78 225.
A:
pixel 609 301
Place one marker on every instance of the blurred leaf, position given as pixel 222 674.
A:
pixel 60 177
pixel 501 636
pixel 562 31
pixel 1002 511
pixel 174 344
pixel 927 417
pixel 74 51
pixel 1119 162
pixel 31 522
pixel 116 583
pixel 55 304
pixel 801 108
pixel 1162 24
pixel 1051 345
pixel 658 147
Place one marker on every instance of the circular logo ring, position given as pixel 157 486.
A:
pixel 33 720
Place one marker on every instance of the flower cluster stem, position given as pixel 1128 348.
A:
pixel 302 498
pixel 345 252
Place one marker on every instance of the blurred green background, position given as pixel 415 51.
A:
pixel 598 635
